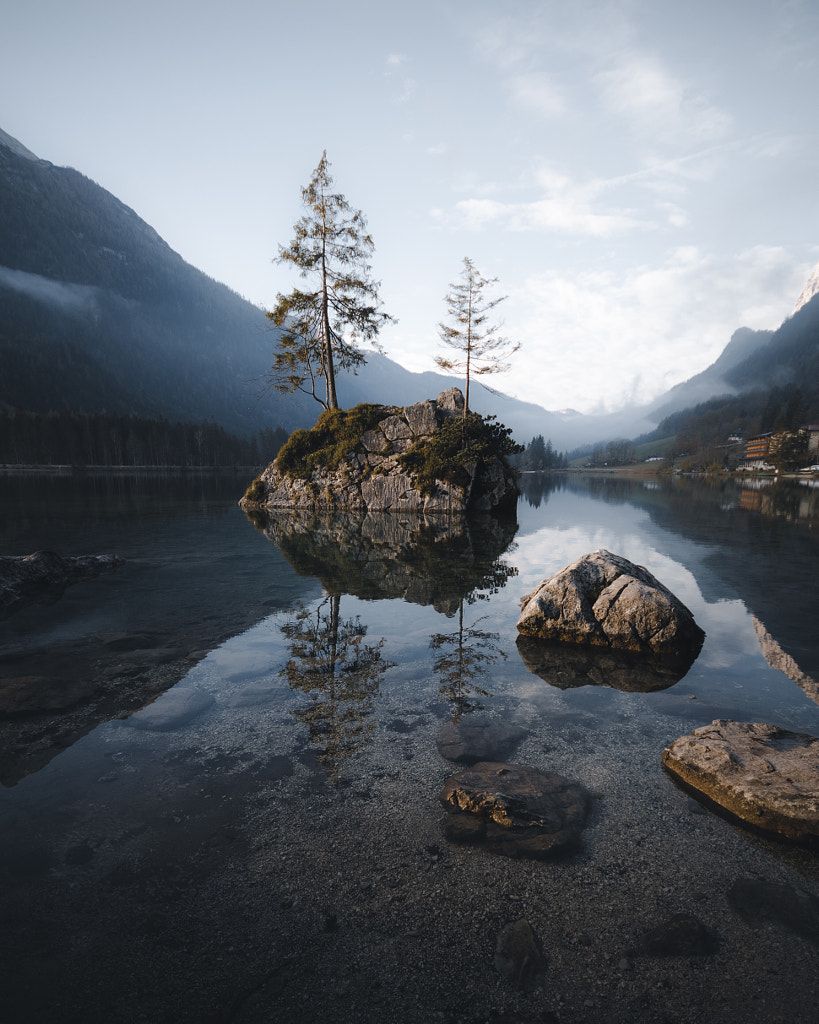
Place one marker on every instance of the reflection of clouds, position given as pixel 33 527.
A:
pixel 728 634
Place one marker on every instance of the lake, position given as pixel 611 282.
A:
pixel 220 765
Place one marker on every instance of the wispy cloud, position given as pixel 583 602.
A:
pixel 536 91
pixel 655 102
pixel 563 206
pixel 406 84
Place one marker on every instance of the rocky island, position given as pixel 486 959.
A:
pixel 423 458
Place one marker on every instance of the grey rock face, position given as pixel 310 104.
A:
pixel 766 776
pixel 515 810
pixel 605 600
pixel 371 479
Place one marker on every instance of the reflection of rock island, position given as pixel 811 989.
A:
pixel 635 672
pixel 782 662
pixel 422 559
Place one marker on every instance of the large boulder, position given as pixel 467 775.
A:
pixel 515 810
pixel 607 601
pixel 371 478
pixel 761 774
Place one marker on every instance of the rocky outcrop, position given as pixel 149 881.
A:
pixel 515 810
pixel 607 601
pixel 761 774
pixel 371 479
pixel 27 579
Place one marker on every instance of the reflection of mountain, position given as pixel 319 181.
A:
pixel 341 674
pixel 567 667
pixel 783 662
pixel 771 563
pixel 424 560
pixel 194 577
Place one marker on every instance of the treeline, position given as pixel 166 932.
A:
pixel 538 455
pixel 619 452
pixel 78 439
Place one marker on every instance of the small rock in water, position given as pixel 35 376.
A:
pixel 515 810
pixel 519 955
pixel 682 935
pixel 758 903
pixel 476 739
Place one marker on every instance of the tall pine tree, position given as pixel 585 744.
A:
pixel 321 326
pixel 469 329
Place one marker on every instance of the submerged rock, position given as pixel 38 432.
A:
pixel 607 601
pixel 761 774
pixel 681 935
pixel 43 576
pixel 515 810
pixel 519 955
pixel 759 903
pixel 478 738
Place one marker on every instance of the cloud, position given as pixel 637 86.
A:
pixel 655 103
pixel 567 207
pixel 408 85
pixel 536 92
pixel 599 339
pixel 73 298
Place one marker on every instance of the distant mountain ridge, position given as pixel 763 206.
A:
pixel 100 314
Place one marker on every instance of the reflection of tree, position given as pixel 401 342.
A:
pixel 464 655
pixel 536 487
pixel 330 662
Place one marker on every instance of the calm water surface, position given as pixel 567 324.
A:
pixel 327 657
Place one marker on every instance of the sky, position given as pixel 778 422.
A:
pixel 640 176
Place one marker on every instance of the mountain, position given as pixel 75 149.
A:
pixel 714 380
pixel 100 314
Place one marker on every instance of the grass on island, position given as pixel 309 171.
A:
pixel 336 435
pixel 458 443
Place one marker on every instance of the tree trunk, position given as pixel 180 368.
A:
pixel 332 400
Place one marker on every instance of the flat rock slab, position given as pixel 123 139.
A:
pixel 515 810
pixel 761 774
pixel 607 601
